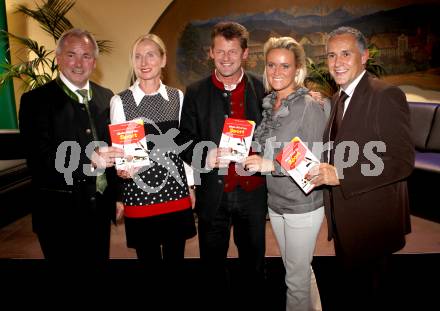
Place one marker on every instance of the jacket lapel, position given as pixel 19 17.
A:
pixel 328 128
pixel 354 109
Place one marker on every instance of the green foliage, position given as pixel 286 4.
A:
pixel 51 16
pixel 34 72
pixel 319 78
pixel 372 65
pixel 39 66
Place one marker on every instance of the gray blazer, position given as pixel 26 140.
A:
pixel 300 115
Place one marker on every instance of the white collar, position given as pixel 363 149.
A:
pixel 74 88
pixel 138 93
pixel 352 86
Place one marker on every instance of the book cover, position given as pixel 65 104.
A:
pixel 237 135
pixel 297 159
pixel 130 136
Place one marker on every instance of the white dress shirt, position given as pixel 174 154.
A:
pixel 349 90
pixel 74 88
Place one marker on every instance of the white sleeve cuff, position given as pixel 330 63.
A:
pixel 189 172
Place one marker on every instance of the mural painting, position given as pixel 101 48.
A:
pixel 405 35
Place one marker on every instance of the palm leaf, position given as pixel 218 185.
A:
pixel 32 73
pixel 372 65
pixel 51 16
pixel 319 79
pixel 105 46
pixel 27 43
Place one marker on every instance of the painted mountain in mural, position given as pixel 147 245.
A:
pixel 408 37
pixel 282 20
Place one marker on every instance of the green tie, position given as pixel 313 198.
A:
pixel 101 180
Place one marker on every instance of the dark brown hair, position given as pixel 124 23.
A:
pixel 231 30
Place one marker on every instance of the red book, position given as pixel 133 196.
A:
pixel 297 160
pixel 237 135
pixel 130 136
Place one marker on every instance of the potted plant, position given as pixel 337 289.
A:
pixel 40 67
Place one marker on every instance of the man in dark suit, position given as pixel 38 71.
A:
pixel 367 206
pixel 61 128
pixel 224 198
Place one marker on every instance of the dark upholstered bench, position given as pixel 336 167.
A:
pixel 425 180
pixel 425 118
pixel 15 179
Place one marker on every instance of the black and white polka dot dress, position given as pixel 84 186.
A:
pixel 157 204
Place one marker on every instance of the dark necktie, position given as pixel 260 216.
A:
pixel 337 120
pixel 101 180
pixel 336 125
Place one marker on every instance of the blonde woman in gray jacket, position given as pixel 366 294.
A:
pixel 296 218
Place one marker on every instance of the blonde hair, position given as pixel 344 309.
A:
pixel 292 45
pixel 150 37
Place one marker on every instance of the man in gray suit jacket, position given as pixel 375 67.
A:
pixel 366 200
pixel 60 128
